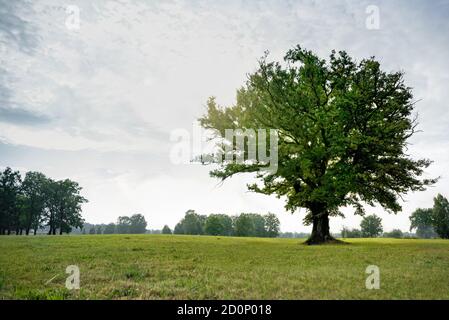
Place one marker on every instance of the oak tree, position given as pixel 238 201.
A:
pixel 342 126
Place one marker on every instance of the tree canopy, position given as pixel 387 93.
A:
pixel 342 130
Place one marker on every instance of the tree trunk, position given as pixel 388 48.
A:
pixel 320 230
pixel 54 231
pixel 34 231
pixel 27 232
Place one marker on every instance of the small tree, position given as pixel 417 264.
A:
pixel 166 230
pixel 272 225
pixel 371 226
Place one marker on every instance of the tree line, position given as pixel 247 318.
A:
pixel 429 223
pixel 243 225
pixel 371 227
pixel 37 201
pixel 125 225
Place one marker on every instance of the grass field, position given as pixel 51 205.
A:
pixel 200 267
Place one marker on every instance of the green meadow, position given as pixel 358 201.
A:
pixel 207 267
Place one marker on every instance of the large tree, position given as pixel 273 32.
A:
pixel 342 126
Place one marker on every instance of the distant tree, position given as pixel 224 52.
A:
pixel 166 230
pixel 294 235
pixel 218 225
pixel 244 226
pixel 213 225
pixel 351 233
pixel 422 221
pixel 179 229
pixel 192 223
pixel 440 216
pixel 371 226
pixel 99 229
pixel 33 189
pixel 395 233
pixel 110 228
pixel 343 128
pixel 272 225
pixel 259 225
pixel 123 225
pixel 138 223
pixel 10 190
pixel 63 202
pixel 227 225
pixel 37 201
pixel 92 230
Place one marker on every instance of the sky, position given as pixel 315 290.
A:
pixel 93 90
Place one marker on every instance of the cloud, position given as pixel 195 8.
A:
pixel 21 116
pixel 15 30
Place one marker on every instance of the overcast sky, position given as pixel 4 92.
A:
pixel 97 103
